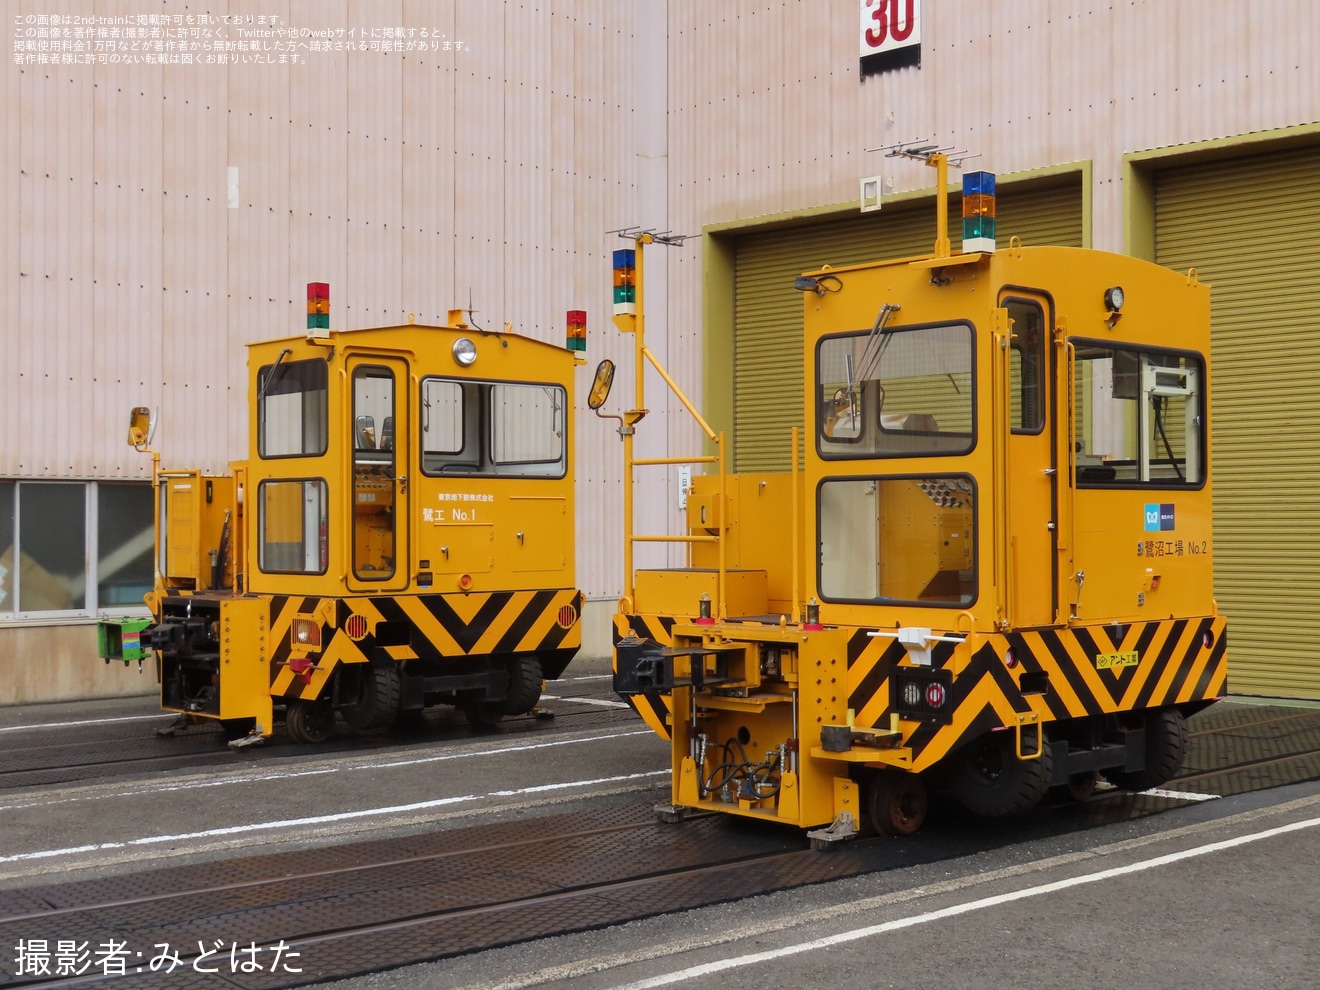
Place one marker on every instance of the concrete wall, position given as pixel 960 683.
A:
pixel 59 663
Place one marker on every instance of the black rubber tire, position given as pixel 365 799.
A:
pixel 374 691
pixel 482 714
pixel 1081 786
pixel 309 721
pixel 1166 745
pixel 524 685
pixel 523 694
pixel 897 802
pixel 989 780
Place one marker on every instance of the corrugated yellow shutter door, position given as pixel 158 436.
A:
pixel 1249 227
pixel 768 374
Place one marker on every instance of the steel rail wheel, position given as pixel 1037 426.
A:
pixel 309 721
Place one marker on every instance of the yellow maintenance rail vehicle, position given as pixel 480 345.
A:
pixel 401 535
pixel 989 569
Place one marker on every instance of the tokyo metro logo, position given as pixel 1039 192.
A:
pixel 1159 517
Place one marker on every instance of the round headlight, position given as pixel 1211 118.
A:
pixel 1114 299
pixel 465 352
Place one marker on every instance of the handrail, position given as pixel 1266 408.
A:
pixel 635 323
pixel 673 387
pixel 794 509
pixel 704 459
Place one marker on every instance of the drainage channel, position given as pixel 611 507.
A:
pixel 358 908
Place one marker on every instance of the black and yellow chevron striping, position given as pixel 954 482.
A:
pixel 1054 674
pixel 652 706
pixel 1038 676
pixel 441 626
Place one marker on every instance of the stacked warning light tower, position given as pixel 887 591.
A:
pixel 1001 529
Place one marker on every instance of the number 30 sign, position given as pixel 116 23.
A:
pixel 890 25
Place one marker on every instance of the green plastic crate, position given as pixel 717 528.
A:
pixel 121 639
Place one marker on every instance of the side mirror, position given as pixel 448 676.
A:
pixel 601 385
pixel 139 426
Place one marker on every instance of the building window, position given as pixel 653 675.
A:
pixel 73 548
pixel 125 539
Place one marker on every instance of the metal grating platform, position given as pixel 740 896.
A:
pixel 366 906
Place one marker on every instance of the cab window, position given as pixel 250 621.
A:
pixel 1026 372
pixel 493 429
pixel 291 409
pixel 898 540
pixel 896 392
pixel 291 526
pixel 1140 417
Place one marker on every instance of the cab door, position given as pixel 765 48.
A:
pixel 378 452
pixel 1031 470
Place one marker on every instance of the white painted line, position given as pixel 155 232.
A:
pixel 286 823
pixel 507 749
pixel 1181 795
pixel 86 721
pixel 537 789
pixel 737 962
pixel 233 829
pixel 587 701
pixel 275 773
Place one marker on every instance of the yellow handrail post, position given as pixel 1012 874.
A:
pixel 720 521
pixel 628 589
pixel 635 324
pixel 940 163
pixel 795 509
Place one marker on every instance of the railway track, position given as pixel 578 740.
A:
pixel 40 755
pixel 344 910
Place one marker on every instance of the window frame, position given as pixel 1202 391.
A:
pixel 482 462
pixel 967 483
pixel 1202 413
pixel 872 421
pixel 92 607
pixel 260 522
pixel 263 396
pixel 1042 370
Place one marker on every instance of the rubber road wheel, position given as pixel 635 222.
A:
pixel 372 691
pixel 1082 785
pixel 309 721
pixel 523 694
pixel 482 714
pixel 898 802
pixel 1166 745
pixel 988 778
pixel 524 685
